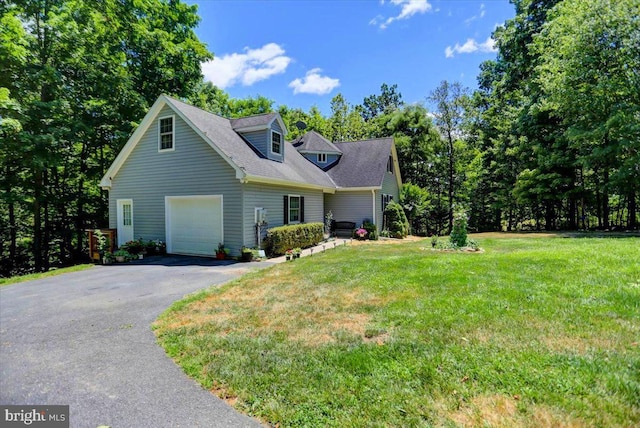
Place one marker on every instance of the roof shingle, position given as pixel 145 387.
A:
pixel 362 164
pixel 251 121
pixel 313 142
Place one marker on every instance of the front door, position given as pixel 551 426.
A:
pixel 125 221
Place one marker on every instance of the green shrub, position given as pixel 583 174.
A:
pixel 372 230
pixel 283 238
pixel 459 231
pixel 397 222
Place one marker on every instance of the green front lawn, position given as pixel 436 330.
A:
pixel 532 332
pixel 32 276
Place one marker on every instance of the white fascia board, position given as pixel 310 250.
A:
pixel 278 182
pixel 358 189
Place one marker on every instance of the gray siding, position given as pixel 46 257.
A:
pixel 258 139
pixel 193 168
pixel 272 199
pixel 389 187
pixel 350 206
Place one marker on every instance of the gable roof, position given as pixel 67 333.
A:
pixel 218 132
pixel 363 163
pixel 313 142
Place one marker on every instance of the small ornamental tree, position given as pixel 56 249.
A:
pixel 459 231
pixel 396 220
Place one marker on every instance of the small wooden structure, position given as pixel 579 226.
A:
pixel 110 234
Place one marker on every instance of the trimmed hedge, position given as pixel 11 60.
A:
pixel 283 238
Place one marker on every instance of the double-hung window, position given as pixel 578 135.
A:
pixel 276 142
pixel 385 200
pixel 166 134
pixel 293 209
pixel 322 158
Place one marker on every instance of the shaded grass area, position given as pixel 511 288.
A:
pixel 532 332
pixel 54 272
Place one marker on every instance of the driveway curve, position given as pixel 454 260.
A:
pixel 84 339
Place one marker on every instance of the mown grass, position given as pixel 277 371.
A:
pixel 32 276
pixel 532 332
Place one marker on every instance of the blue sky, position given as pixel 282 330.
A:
pixel 303 53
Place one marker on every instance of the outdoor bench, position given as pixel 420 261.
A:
pixel 344 228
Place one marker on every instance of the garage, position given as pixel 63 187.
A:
pixel 193 224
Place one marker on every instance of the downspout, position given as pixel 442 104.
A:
pixel 373 200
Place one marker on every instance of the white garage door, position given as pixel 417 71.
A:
pixel 194 224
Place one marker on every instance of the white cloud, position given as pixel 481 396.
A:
pixel 471 46
pixel 249 67
pixel 409 8
pixel 314 83
pixel 474 17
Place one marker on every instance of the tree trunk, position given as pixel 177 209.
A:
pixel 573 221
pixel 13 229
pixel 632 208
pixel 605 202
pixel 548 218
pixel 47 224
pixel 80 205
pixel 451 184
pixel 37 220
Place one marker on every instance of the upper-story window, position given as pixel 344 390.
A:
pixel 166 133
pixel 322 158
pixel 390 165
pixel 276 142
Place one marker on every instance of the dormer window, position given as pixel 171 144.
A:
pixel 276 142
pixel 166 134
pixel 322 158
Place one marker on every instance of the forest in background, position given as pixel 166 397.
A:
pixel 549 140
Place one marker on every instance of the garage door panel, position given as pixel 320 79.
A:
pixel 194 225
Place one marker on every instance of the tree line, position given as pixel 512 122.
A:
pixel 549 140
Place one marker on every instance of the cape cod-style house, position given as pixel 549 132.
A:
pixel 195 179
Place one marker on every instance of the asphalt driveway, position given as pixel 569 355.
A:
pixel 84 339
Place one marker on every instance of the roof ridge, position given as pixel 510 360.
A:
pixel 196 107
pixel 253 115
pixel 362 141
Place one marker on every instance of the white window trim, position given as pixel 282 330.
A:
pixel 322 157
pixel 289 214
pixel 271 143
pixel 390 166
pixel 173 134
